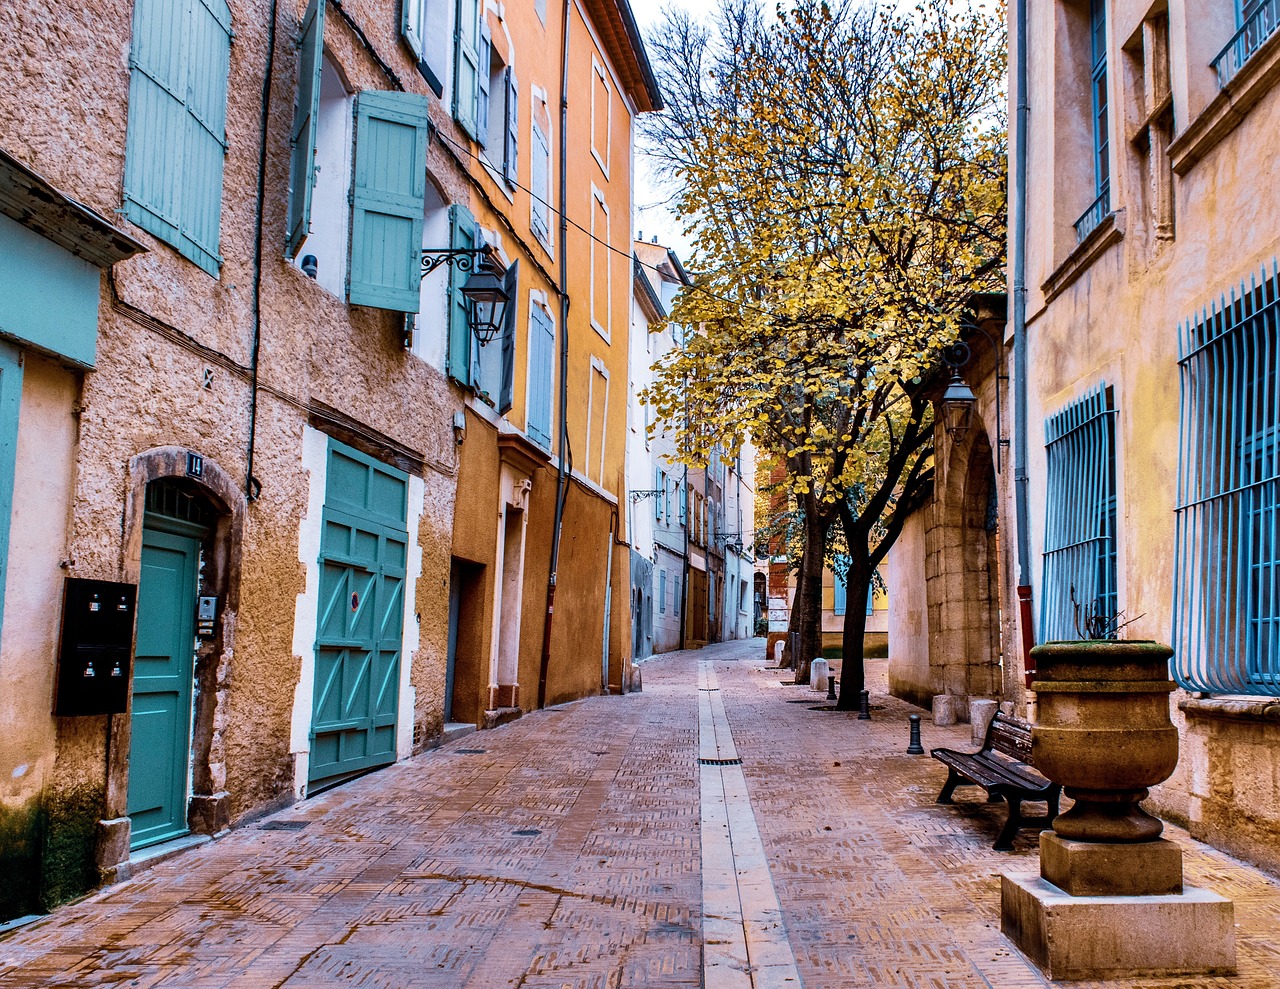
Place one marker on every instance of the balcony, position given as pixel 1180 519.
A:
pixel 1098 211
pixel 1260 25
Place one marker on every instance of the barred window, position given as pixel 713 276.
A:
pixel 1080 524
pixel 1226 616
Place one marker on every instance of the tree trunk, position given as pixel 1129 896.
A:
pixel 852 666
pixel 808 615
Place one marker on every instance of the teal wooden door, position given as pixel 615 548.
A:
pixel 160 743
pixel 363 551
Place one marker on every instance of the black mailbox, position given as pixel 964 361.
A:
pixel 97 645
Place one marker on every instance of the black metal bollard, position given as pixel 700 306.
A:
pixel 915 748
pixel 864 709
pixel 831 687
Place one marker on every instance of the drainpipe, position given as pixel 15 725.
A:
pixel 1022 121
pixel 562 443
pixel 252 487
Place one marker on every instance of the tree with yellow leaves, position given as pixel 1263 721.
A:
pixel 841 169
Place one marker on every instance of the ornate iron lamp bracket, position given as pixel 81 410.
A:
pixel 462 258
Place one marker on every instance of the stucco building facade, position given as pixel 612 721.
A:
pixel 1152 404
pixel 252 410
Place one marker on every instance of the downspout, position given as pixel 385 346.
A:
pixel 562 443
pixel 252 487
pixel 1022 121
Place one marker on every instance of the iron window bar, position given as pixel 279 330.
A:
pixel 1259 25
pixel 1226 595
pixel 1098 211
pixel 1080 525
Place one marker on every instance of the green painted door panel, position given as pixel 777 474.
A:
pixel 160 745
pixel 363 555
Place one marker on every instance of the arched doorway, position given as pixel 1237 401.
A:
pixel 178 520
pixel 962 574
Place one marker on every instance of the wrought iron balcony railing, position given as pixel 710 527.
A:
pixel 1260 26
pixel 1098 211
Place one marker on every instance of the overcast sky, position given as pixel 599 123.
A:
pixel 652 214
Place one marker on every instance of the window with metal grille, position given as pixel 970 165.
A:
pixel 1080 524
pixel 1100 208
pixel 1226 615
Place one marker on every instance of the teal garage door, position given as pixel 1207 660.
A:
pixel 363 552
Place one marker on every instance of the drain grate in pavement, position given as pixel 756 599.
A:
pixel 527 832
pixel 471 751
pixel 282 825
pixel 719 762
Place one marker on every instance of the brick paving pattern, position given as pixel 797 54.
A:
pixel 416 876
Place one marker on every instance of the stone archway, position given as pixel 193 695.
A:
pixel 962 574
pixel 208 809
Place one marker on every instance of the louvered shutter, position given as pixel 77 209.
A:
pixel 388 193
pixel 841 590
pixel 411 26
pixel 511 154
pixel 302 164
pixel 176 139
pixel 506 391
pixel 484 99
pixel 542 345
pixel 466 65
pixel 462 226
pixel 540 170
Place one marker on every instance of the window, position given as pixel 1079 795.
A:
pixel 677 602
pixel 601 264
pixel 840 600
pixel 356 220
pixel 659 486
pixel 425 26
pixel 666 498
pixel 1226 619
pixel 662 592
pixel 497 114
pixel 430 325
pixel 540 183
pixel 601 115
pixel 176 140
pixel 493 365
pixel 1101 206
pixel 684 504
pixel 470 64
pixel 1154 130
pixel 1080 527
pixel 542 362
pixel 1257 21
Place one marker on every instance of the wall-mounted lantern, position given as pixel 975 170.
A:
pixel 957 406
pixel 487 299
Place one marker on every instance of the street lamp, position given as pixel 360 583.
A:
pixel 957 406
pixel 486 298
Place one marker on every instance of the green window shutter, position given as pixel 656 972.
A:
pixel 466 65
pixel 842 588
pixel 542 348
pixel 462 236
pixel 506 391
pixel 388 196
pixel 302 149
pixel 176 140
pixel 539 185
pixel 484 99
pixel 511 153
pixel 411 26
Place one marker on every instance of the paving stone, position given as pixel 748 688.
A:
pixel 413 876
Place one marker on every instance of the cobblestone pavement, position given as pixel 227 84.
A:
pixel 563 850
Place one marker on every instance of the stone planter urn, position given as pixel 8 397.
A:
pixel 1103 732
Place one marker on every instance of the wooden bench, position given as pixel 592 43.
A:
pixel 1003 768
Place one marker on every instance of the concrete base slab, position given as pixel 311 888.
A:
pixel 1105 937
pixel 1087 868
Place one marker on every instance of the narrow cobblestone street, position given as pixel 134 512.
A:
pixel 577 847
